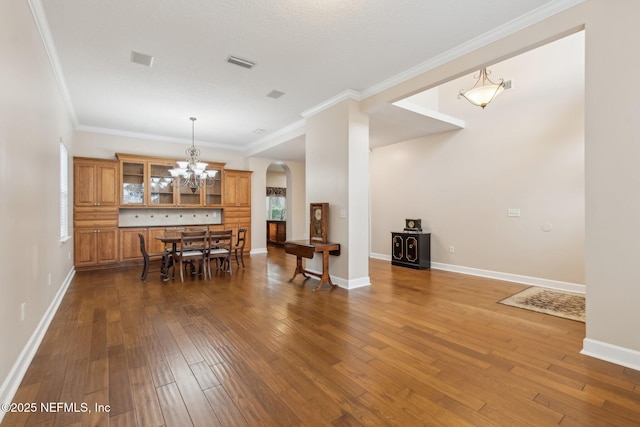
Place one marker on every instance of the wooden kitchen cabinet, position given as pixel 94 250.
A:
pixel 236 218
pixel 276 232
pixel 95 247
pixel 147 182
pixel 237 203
pixel 237 188
pixel 95 182
pixel 130 242
pixel 155 246
pixel 161 189
pixel 95 212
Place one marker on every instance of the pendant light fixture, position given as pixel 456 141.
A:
pixel 192 173
pixel 483 91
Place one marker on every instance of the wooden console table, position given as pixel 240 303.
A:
pixel 306 249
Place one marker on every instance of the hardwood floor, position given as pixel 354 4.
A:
pixel 415 348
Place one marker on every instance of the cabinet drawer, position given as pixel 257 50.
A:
pixel 237 214
pixel 95 217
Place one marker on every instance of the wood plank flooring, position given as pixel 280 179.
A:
pixel 415 348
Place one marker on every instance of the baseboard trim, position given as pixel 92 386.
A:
pixel 13 380
pixel 611 353
pixel 258 251
pixel 509 277
pixel 498 275
pixel 382 257
pixel 353 283
pixel 345 283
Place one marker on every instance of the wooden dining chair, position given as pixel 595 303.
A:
pixel 172 232
pixel 219 249
pixel 148 258
pixel 239 246
pixel 192 248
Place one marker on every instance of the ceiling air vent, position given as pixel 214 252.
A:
pixel 240 62
pixel 141 58
pixel 275 94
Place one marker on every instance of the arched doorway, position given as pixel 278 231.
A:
pixel 277 203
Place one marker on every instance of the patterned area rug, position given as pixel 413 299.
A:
pixel 568 305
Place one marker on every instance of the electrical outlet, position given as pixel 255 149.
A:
pixel 49 281
pixel 23 311
pixel 452 249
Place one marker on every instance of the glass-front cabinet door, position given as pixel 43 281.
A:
pixel 133 183
pixel 213 190
pixel 161 189
pixel 189 196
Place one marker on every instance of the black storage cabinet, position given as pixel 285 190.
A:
pixel 411 250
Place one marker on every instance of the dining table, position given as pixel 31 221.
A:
pixel 173 240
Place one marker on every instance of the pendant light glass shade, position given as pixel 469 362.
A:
pixel 483 91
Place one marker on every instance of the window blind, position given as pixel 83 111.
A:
pixel 64 193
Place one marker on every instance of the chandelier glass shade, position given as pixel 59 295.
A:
pixel 192 173
pixel 483 91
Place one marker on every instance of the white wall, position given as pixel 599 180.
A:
pixel 337 171
pixel 525 151
pixel 36 267
pixel 612 181
pixel 276 179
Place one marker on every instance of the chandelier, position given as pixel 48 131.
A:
pixel 192 173
pixel 483 91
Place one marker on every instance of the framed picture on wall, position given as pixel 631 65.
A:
pixel 319 227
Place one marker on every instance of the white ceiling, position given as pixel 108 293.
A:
pixel 312 50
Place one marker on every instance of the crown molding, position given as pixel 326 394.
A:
pixel 293 127
pixel 272 140
pixel 153 137
pixel 347 94
pixel 496 34
pixel 40 18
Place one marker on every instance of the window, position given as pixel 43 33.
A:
pixel 64 193
pixel 276 203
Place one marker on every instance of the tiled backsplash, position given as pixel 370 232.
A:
pixel 168 217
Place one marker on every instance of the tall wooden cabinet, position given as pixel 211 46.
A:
pixel 95 182
pixel 237 203
pixel 95 247
pixel 95 212
pixel 237 188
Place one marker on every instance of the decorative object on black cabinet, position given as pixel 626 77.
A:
pixel 413 225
